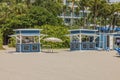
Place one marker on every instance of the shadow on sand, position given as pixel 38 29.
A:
pixel 12 52
pixel 49 52
pixel 118 56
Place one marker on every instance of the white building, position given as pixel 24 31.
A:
pixel 70 17
pixel 71 14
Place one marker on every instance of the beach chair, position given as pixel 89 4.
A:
pixel 118 50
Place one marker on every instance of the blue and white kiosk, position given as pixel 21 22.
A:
pixel 27 40
pixel 100 39
pixel 83 39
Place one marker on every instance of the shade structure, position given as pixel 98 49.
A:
pixel 52 39
pixel 27 40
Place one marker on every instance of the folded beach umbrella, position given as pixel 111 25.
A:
pixel 52 39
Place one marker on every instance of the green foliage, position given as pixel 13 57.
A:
pixel 53 6
pixel 16 14
pixel 12 42
pixel 42 16
pixel 55 31
pixel 1 39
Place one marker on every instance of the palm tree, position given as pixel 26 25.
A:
pixel 105 12
pixel 72 11
pixel 64 12
pixel 115 9
pixel 83 5
pixel 95 7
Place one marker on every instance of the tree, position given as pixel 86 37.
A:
pixel 41 16
pixel 1 39
pixel 115 9
pixel 104 13
pixel 83 5
pixel 72 11
pixel 55 31
pixel 52 6
pixel 64 12
pixel 95 7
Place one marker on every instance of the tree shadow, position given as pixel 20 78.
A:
pixel 67 50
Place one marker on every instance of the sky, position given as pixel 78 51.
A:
pixel 114 0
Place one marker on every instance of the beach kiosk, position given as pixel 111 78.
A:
pixel 109 37
pixel 27 40
pixel 103 38
pixel 83 39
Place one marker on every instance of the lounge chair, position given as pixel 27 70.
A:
pixel 118 50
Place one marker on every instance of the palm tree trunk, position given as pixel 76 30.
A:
pixel 95 14
pixel 64 17
pixel 72 12
pixel 84 20
pixel 114 21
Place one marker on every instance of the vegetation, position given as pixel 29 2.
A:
pixel 43 14
pixel 1 39
pixel 101 12
pixel 57 32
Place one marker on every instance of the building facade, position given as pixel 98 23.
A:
pixel 71 14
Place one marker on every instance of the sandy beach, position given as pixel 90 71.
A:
pixel 61 65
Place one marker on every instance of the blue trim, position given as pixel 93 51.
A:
pixel 28 47
pixel 17 32
pixel 75 32
pixel 29 32
pixel 83 31
pixel 93 32
pixel 108 29
pixel 116 34
pixel 82 46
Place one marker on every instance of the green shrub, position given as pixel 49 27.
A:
pixel 12 42
pixel 55 31
pixel 1 39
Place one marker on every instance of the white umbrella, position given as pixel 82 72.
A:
pixel 52 39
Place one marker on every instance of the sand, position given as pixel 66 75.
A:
pixel 61 65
